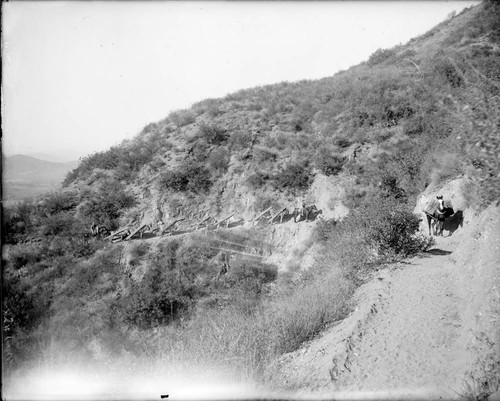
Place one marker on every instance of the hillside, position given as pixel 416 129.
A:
pixel 427 327
pixel 26 176
pixel 269 304
pixel 406 114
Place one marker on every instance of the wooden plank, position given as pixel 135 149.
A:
pixel 116 232
pixel 198 226
pixel 223 220
pixel 262 214
pixel 171 225
pixel 277 214
pixel 136 231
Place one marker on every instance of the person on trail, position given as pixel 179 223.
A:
pixel 224 259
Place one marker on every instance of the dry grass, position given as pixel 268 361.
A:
pixel 243 343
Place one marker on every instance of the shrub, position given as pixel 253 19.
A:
pixel 190 176
pixel 59 201
pixel 240 139
pixel 57 224
pixel 182 117
pixel 263 155
pixel 250 277
pixel 218 160
pixel 20 313
pixel 105 204
pixel 342 142
pixel 323 229
pixel 21 255
pixel 16 222
pixel 212 133
pixel 449 73
pixel 176 180
pixel 379 56
pixel 258 179
pixel 378 230
pixel 327 162
pixel 137 251
pixel 294 177
pixel 107 160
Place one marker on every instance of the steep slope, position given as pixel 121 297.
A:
pixel 402 120
pixel 427 328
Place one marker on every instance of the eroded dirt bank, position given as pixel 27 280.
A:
pixel 420 329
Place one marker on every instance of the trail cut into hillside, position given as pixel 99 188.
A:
pixel 424 328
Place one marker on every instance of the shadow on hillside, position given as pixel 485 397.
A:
pixel 436 252
pixel 452 223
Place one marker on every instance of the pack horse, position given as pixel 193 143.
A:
pixel 436 218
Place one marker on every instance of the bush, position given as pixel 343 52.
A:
pixel 16 222
pixel 380 55
pixel 105 204
pixel 212 133
pixel 57 224
pixel 190 176
pixel 107 160
pixel 218 160
pixel 448 72
pixel 258 179
pixel 294 177
pixel 240 139
pixel 327 162
pixel 250 277
pixel 176 180
pixel 379 230
pixel 182 117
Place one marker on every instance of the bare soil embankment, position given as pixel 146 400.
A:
pixel 422 328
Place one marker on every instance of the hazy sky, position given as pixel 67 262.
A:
pixel 83 76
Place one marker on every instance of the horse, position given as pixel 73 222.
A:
pixel 99 231
pixel 438 217
pixel 307 213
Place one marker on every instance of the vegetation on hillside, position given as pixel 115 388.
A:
pixel 412 116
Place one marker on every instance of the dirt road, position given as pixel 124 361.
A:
pixel 423 328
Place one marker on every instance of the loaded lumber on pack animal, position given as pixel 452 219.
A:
pixel 262 216
pixel 99 231
pixel 139 231
pixel 119 235
pixel 169 228
pixel 204 223
pixel 437 215
pixel 306 213
pixel 224 221
pixel 281 215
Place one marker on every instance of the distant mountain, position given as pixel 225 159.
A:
pixel 49 157
pixel 26 176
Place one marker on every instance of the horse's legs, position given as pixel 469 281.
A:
pixel 429 221
pixel 440 227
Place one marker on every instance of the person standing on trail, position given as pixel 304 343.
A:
pixel 224 258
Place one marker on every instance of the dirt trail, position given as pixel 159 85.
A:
pixel 419 329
